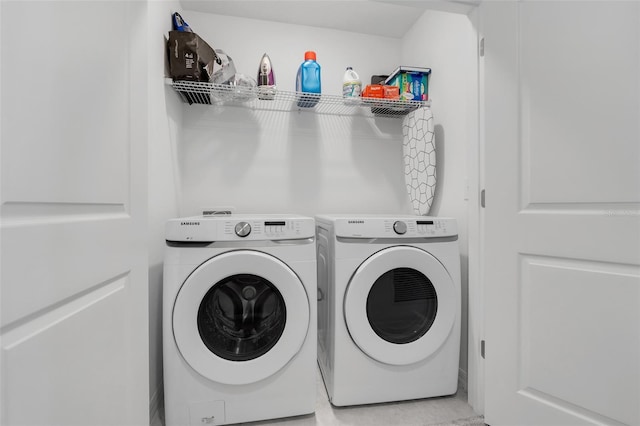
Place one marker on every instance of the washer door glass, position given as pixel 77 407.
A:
pixel 400 305
pixel 240 317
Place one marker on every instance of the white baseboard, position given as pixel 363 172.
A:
pixel 156 408
pixel 462 380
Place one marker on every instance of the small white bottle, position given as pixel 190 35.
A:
pixel 351 85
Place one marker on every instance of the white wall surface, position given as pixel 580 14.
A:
pixel 245 40
pixel 446 43
pixel 165 114
pixel 268 162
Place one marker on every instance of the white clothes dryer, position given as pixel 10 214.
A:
pixel 239 326
pixel 388 307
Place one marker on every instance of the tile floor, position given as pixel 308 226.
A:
pixel 432 411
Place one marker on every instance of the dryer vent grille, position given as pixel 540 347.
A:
pixel 409 284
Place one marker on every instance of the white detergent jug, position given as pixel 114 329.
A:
pixel 351 84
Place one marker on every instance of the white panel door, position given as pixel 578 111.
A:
pixel 74 316
pixel 562 104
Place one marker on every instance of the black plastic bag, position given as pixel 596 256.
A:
pixel 190 59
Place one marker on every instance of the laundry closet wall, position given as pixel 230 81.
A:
pixel 300 162
pixel 165 116
pixel 264 161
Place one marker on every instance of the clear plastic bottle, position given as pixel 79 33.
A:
pixel 351 85
pixel 308 81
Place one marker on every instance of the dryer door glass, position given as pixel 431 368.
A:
pixel 402 305
pixel 241 317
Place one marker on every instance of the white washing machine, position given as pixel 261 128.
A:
pixel 388 307
pixel 239 322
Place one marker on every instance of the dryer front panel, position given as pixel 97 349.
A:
pixel 400 305
pixel 240 317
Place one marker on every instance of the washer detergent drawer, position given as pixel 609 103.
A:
pixel 400 305
pixel 240 317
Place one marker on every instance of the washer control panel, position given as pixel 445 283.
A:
pixel 265 229
pixel 235 228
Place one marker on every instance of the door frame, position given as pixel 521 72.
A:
pixel 475 166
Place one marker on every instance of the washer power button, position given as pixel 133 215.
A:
pixel 243 229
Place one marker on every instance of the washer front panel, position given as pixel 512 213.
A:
pixel 197 287
pixel 358 292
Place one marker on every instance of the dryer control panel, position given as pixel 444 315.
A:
pixel 239 228
pixel 391 226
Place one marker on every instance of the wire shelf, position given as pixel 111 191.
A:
pixel 194 92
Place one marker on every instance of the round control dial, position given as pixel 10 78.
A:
pixel 400 227
pixel 243 229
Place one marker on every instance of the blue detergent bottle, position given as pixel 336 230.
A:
pixel 308 81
